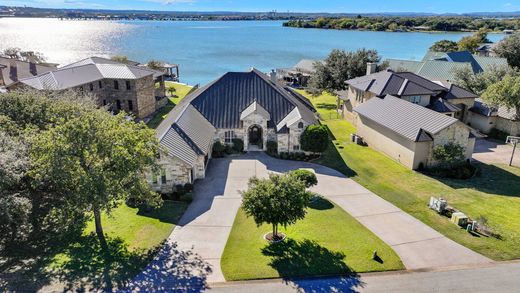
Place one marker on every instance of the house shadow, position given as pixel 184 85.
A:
pixel 297 259
pixel 489 179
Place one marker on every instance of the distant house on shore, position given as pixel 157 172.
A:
pixel 249 106
pixel 135 89
pixel 299 74
pixel 12 70
pixel 442 66
pixel 487 50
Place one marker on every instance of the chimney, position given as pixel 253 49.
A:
pixel 13 70
pixel 273 77
pixel 371 68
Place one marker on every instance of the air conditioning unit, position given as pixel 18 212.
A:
pixel 438 205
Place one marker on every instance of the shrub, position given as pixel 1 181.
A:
pixel 449 156
pixel 315 139
pixel 187 197
pixel 188 187
pixel 238 145
pixel 179 189
pixel 306 176
pixel 228 149
pixel 498 134
pixel 218 149
pixel 284 155
pixel 272 147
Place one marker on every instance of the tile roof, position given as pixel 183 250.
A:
pixel 404 118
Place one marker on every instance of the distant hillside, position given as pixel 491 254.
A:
pixel 15 11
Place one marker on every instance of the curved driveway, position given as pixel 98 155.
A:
pixel 206 225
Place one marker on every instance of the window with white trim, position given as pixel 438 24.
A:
pixel 296 147
pixel 229 136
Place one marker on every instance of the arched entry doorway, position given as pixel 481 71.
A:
pixel 255 136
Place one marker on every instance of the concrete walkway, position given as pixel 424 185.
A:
pixel 492 152
pixel 198 242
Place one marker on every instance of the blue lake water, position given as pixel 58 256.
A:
pixel 204 49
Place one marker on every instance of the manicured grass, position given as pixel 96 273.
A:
pixel 327 242
pixel 141 230
pixel 133 237
pixel 181 90
pixel 494 193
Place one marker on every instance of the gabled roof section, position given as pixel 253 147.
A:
pixel 395 83
pixel 223 101
pixel 257 109
pixel 86 71
pixel 404 118
pixel 442 106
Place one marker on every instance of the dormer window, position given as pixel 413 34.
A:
pixel 300 125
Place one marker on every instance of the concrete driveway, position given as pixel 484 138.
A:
pixel 204 229
pixel 494 152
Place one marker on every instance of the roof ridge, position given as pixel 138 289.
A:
pixel 187 139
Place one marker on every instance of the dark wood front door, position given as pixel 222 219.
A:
pixel 255 135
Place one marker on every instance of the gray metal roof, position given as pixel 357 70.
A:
pixel 87 71
pixel 395 83
pixel 442 106
pixel 404 118
pixel 189 129
pixel 13 70
pixel 222 101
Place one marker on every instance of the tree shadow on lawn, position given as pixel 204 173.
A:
pixel 489 179
pixel 88 267
pixel 321 204
pixel 326 106
pixel 294 259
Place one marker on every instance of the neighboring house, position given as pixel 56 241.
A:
pixel 441 97
pixel 442 66
pixel 299 74
pixel 120 86
pixel 239 105
pixel 12 70
pixel 486 118
pixel 487 50
pixel 408 132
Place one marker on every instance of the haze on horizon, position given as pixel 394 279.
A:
pixel 334 6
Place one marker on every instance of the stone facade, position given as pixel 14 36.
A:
pixel 175 171
pixel 508 126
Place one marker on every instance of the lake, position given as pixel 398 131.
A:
pixel 204 49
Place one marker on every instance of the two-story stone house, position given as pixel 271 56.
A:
pixel 249 106
pixel 120 86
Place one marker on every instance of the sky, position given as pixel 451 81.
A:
pixel 348 6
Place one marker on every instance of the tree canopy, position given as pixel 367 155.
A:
pixel 63 157
pixel 449 155
pixel 315 139
pixel 504 93
pixel 306 176
pixel 471 43
pixel 278 200
pixel 478 83
pixel 446 46
pixel 28 56
pixel 509 48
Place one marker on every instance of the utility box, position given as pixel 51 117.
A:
pixel 459 219
pixel 438 205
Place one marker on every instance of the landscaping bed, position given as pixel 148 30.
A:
pixel 327 242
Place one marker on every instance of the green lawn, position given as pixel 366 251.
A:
pixel 181 90
pixel 327 242
pixel 133 237
pixel 494 193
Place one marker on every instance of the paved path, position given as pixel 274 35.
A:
pixel 492 152
pixel 496 278
pixel 198 242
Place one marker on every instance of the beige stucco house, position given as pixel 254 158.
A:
pixel 239 105
pixel 408 132
pixel 486 118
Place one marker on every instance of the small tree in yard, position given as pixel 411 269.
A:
pixel 278 200
pixel 449 155
pixel 315 139
pixel 504 93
